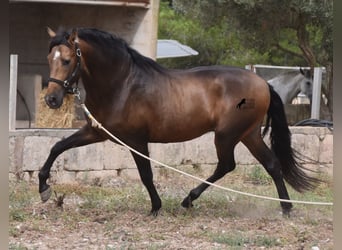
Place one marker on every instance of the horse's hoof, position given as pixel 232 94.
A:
pixel 154 213
pixel 286 209
pixel 286 213
pixel 187 202
pixel 46 194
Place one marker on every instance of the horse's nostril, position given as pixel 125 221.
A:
pixel 52 101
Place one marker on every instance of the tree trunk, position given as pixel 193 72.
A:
pixel 304 42
pixel 329 91
pixel 304 45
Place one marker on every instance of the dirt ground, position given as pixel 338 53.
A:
pixel 116 217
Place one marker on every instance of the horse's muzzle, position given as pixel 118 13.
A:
pixel 53 101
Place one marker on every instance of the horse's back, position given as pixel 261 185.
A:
pixel 190 103
pixel 231 85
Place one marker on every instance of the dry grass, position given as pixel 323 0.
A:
pixel 117 218
pixel 55 118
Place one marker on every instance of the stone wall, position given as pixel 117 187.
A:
pixel 106 162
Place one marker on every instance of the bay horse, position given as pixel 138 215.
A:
pixel 289 84
pixel 141 102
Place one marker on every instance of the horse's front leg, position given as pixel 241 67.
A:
pixel 84 136
pixel 146 175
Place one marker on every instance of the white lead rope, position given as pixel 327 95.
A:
pixel 95 123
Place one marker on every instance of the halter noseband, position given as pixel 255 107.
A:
pixel 67 84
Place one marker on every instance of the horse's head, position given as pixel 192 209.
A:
pixel 306 84
pixel 64 61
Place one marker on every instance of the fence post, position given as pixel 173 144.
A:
pixel 13 91
pixel 316 93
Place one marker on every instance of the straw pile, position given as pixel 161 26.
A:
pixel 55 118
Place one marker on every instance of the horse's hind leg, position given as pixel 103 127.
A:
pixel 84 136
pixel 226 163
pixel 146 175
pixel 267 158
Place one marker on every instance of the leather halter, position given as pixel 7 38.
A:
pixel 67 84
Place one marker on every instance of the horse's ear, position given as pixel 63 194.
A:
pixel 306 72
pixel 51 32
pixel 73 36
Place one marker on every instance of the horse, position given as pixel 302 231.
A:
pixel 142 102
pixel 289 84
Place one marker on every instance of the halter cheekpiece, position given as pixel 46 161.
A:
pixel 67 84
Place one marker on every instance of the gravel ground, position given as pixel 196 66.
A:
pixel 117 218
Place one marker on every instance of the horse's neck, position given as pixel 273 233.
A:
pixel 287 88
pixel 102 78
pixel 294 87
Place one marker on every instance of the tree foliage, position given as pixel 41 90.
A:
pixel 239 32
pixel 298 28
pixel 216 44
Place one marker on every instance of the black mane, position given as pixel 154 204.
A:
pixel 110 44
pixel 145 63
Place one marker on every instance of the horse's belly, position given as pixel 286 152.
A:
pixel 174 137
pixel 179 131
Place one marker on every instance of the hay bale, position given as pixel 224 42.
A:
pixel 62 117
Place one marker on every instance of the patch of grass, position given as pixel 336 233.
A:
pixel 266 241
pixel 259 176
pixel 108 200
pixel 17 215
pixel 121 215
pixel 20 193
pixel 13 232
pixel 95 197
pixel 156 246
pixel 17 247
pixel 321 194
pixel 233 240
pixel 239 240
pixel 171 204
pixel 20 196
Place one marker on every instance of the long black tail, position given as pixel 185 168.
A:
pixel 281 145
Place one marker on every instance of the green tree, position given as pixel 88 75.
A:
pixel 285 32
pixel 216 44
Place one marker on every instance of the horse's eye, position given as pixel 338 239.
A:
pixel 65 62
pixel 308 83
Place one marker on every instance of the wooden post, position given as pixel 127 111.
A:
pixel 13 91
pixel 316 93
